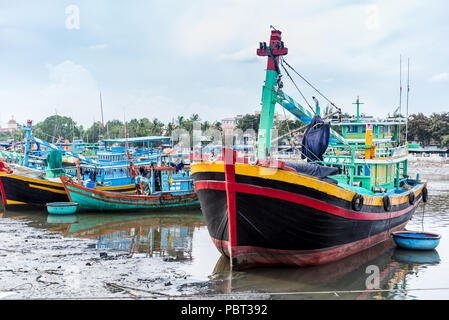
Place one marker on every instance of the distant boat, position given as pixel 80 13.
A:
pixel 34 183
pixel 96 200
pixel 29 187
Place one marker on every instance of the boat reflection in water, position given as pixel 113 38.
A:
pixel 415 256
pixel 169 235
pixel 350 278
pixel 184 237
pixel 156 235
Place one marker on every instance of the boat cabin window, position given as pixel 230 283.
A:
pixel 353 129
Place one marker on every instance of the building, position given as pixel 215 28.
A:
pixel 427 151
pixel 229 124
pixel 11 126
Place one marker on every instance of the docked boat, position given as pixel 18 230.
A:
pixel 158 187
pixel 96 200
pixel 352 191
pixel 35 178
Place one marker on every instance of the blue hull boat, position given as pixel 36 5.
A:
pixel 415 240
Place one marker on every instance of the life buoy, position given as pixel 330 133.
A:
pixel 411 198
pixel 425 194
pixel 387 203
pixel 357 202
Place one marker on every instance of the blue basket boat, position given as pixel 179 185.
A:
pixel 62 207
pixel 415 240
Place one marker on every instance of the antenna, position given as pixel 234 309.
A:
pixel 126 133
pixel 101 105
pixel 400 84
pixel 408 90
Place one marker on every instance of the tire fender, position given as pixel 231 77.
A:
pixel 386 202
pixel 357 202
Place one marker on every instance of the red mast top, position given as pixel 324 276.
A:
pixel 276 47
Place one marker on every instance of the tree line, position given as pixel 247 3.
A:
pixel 426 130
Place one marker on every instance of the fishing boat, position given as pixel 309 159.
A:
pixel 347 194
pixel 157 188
pixel 35 178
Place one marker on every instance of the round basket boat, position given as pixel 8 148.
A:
pixel 415 240
pixel 62 207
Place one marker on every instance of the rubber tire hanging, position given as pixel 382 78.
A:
pixel 425 194
pixel 357 202
pixel 411 198
pixel 386 202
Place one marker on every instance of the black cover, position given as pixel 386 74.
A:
pixel 313 169
pixel 315 140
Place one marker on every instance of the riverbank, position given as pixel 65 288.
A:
pixel 43 264
pixel 429 168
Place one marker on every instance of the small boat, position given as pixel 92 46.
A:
pixel 96 200
pixel 62 207
pixel 416 240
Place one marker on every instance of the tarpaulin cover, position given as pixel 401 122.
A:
pixel 313 169
pixel 315 140
pixel 54 164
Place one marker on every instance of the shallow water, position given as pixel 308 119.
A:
pixel 171 255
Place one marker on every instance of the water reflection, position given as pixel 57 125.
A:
pixel 168 235
pixel 410 256
pixel 184 237
pixel 345 279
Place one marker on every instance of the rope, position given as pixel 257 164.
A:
pixel 160 295
pixel 297 87
pixel 332 104
pixel 274 59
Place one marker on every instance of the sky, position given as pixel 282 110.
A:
pixel 164 59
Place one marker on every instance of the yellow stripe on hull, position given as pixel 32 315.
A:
pixel 13 202
pixel 298 179
pixel 47 189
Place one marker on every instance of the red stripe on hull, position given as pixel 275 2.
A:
pixel 2 189
pixel 229 169
pixel 303 200
pixel 245 257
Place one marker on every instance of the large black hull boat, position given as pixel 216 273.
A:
pixel 264 216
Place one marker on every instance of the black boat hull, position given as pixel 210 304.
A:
pixel 277 222
pixel 19 192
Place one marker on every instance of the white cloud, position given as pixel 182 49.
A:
pixel 444 76
pixel 99 46
pixel 245 55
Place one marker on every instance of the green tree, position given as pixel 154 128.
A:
pixel 419 128
pixel 439 126
pixel 115 129
pixel 249 121
pixel 56 126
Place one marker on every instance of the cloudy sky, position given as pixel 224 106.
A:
pixel 161 59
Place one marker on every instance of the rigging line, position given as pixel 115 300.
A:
pixel 300 144
pixel 302 127
pixel 275 61
pixel 296 86
pixel 332 104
